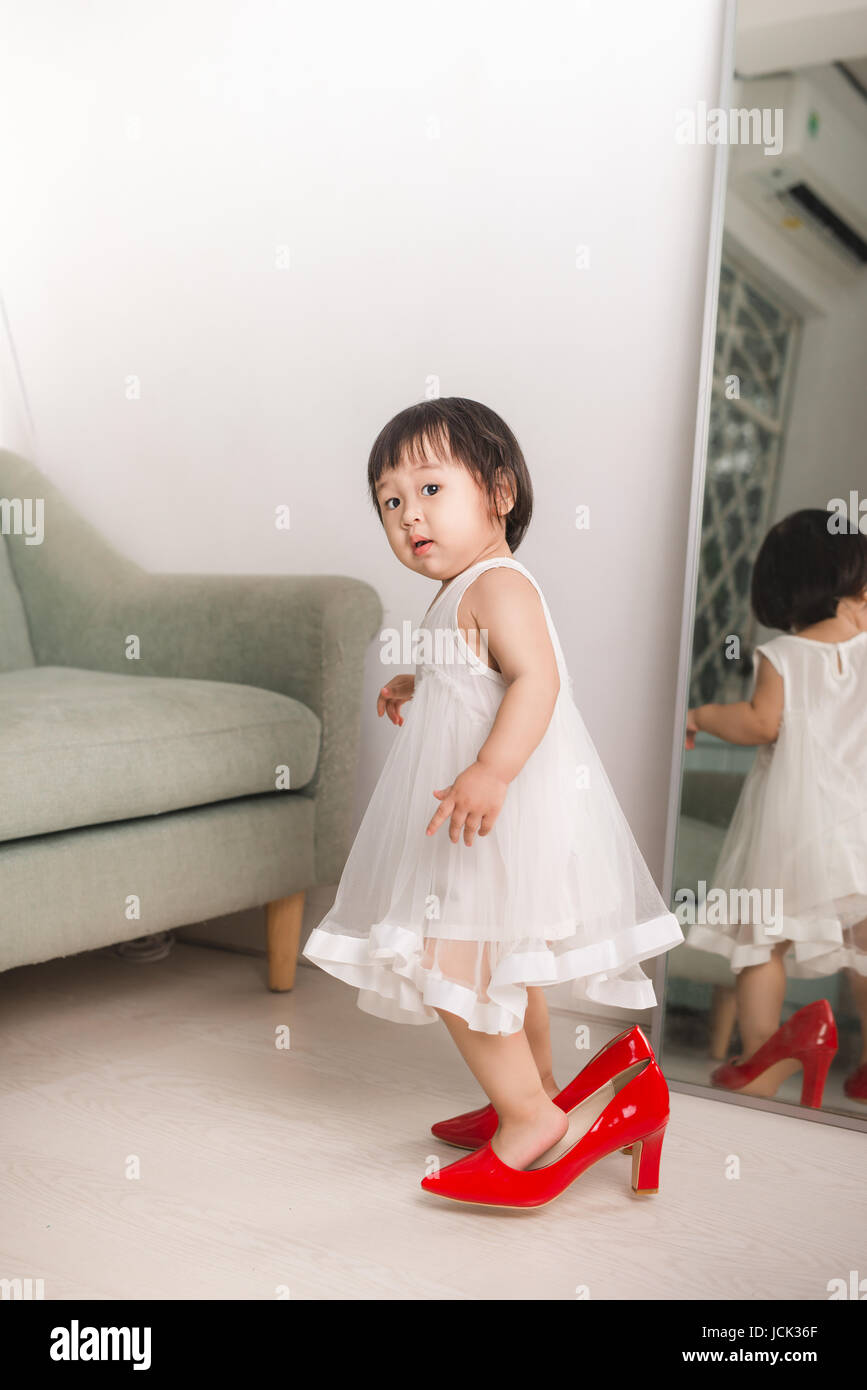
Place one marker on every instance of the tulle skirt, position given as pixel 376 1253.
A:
pixel 557 891
pixel 793 865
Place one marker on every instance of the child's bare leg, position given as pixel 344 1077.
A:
pixel 506 1070
pixel 761 990
pixel 858 985
pixel 537 1027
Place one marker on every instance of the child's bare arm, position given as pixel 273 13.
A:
pixel 509 611
pixel 747 721
pixel 506 606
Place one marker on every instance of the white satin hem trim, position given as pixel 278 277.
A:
pixel 385 965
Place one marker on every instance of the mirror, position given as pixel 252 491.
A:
pixel 769 854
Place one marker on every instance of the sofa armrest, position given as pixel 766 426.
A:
pixel 302 635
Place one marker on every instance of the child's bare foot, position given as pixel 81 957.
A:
pixel 519 1141
pixel 770 1080
pixel 550 1087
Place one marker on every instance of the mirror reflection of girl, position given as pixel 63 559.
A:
pixel 493 858
pixel 800 824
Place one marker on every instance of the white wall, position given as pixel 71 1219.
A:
pixel 774 35
pixel 431 172
pixel 823 454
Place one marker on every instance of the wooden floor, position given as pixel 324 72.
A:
pixel 261 1169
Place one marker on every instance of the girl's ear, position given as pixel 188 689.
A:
pixel 505 492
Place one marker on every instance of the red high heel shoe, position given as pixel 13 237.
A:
pixel 632 1106
pixel 476 1127
pixel 855 1085
pixel 809 1037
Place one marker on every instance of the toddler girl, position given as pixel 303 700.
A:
pixel 493 858
pixel 799 831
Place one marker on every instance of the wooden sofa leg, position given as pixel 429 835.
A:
pixel 283 919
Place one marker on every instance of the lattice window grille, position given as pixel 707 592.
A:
pixel 756 341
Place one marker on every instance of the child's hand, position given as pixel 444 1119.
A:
pixel 691 728
pixel 473 801
pixel 392 696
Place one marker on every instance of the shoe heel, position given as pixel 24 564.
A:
pixel 646 1154
pixel 816 1064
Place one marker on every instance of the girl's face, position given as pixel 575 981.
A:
pixel 439 502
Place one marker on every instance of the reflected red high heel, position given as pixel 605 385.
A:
pixel 809 1037
pixel 855 1085
pixel 631 1107
pixel 476 1127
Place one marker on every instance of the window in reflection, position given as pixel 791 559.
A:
pixel 756 342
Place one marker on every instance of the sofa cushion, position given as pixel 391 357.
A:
pixel 15 648
pixel 88 747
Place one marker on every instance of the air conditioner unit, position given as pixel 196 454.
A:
pixel 815 190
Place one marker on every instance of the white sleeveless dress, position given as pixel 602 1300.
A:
pixel 557 891
pixel 800 823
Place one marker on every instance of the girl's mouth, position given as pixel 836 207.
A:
pixel 422 547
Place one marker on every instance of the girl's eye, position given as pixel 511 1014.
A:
pixel 388 501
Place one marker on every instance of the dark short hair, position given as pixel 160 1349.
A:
pixel 474 435
pixel 803 568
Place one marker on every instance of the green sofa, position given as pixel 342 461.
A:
pixel 173 748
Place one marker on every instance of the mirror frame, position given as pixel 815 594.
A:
pixel 708 347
